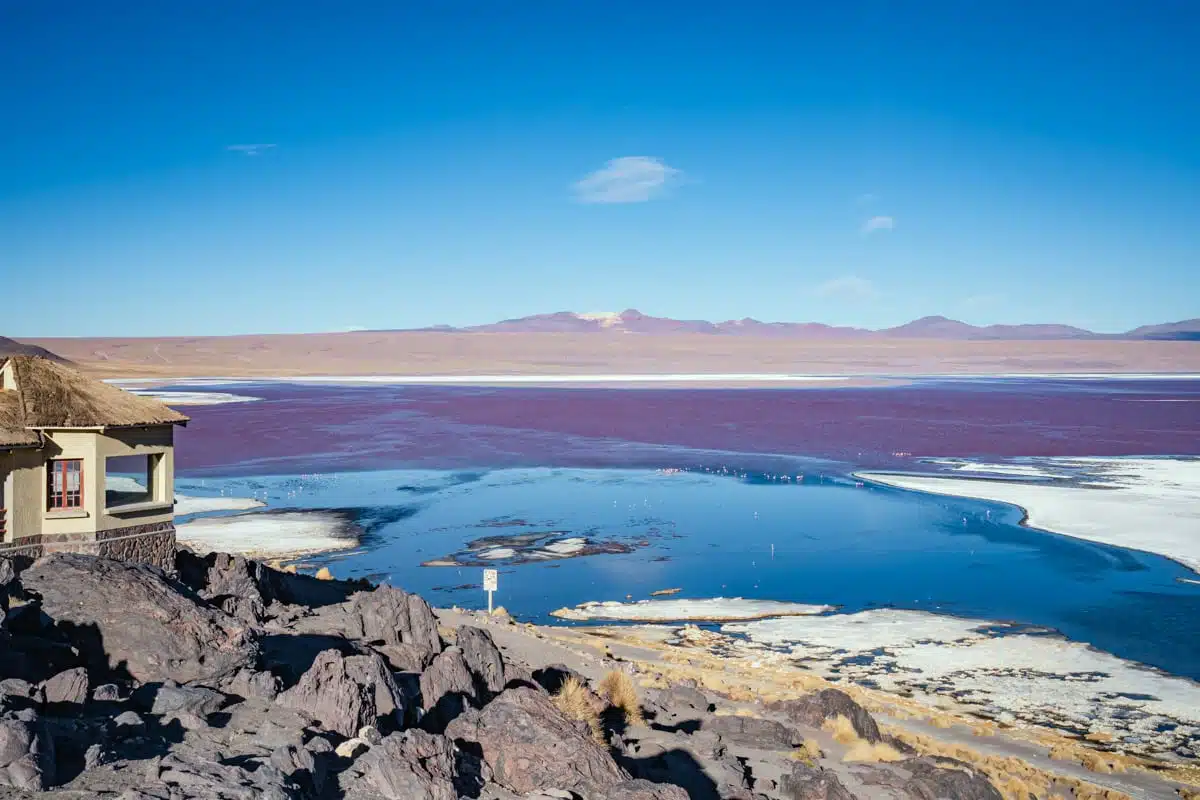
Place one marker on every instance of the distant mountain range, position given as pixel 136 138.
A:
pixel 634 321
pixel 11 347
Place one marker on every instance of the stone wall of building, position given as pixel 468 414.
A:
pixel 148 544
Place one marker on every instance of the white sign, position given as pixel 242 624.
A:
pixel 490 579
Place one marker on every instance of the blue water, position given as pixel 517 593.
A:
pixel 817 539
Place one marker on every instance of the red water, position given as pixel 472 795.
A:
pixel 322 428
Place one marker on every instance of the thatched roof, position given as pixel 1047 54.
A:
pixel 52 395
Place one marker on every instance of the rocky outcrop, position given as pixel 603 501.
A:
pixel 347 693
pixel 530 746
pixel 763 734
pixel 483 659
pixel 413 764
pixel 935 778
pixel 26 752
pixel 806 782
pixel 392 616
pixel 69 687
pixel 132 621
pixel 639 789
pixel 813 709
pixel 447 689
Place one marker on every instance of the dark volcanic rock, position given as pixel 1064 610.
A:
pixel 393 617
pixel 763 734
pixel 447 688
pixel 936 778
pixel 530 745
pixel 483 659
pixel 66 688
pixel 683 700
pixel 553 677
pixel 642 790
pixel 815 783
pixel 130 618
pixel 248 683
pixel 347 693
pixel 413 764
pixel 196 774
pixel 813 709
pixel 26 752
pixel 172 701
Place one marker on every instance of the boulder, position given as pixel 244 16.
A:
pixel 68 688
pixel 413 764
pixel 301 766
pixel 447 688
pixel 642 790
pixel 106 693
pixel 813 709
pixel 251 683
pixel 346 693
pixel 26 752
pixel 814 783
pixel 130 618
pixel 683 700
pixel 174 701
pixel 762 734
pixel 483 659
pixel 197 774
pixel 553 677
pixel 530 745
pixel 391 616
pixel 936 778
pixel 406 657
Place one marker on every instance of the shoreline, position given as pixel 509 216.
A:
pixel 1147 504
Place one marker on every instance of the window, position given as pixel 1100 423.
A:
pixel 130 480
pixel 65 484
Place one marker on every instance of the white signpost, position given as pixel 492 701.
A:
pixel 490 579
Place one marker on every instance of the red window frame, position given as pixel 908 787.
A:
pixel 64 484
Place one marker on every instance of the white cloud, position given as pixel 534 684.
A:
pixel 250 149
pixel 629 179
pixel 878 224
pixel 850 287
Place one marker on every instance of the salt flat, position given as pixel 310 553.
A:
pixel 713 609
pixel 269 535
pixel 1002 672
pixel 1149 504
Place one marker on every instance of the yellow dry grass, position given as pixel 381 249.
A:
pixel 617 688
pixel 808 752
pixel 577 702
pixel 768 677
pixel 842 729
pixel 323 574
pixel 868 753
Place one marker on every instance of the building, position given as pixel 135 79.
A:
pixel 84 466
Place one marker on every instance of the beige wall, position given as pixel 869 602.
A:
pixel 25 476
pixel 136 442
pixel 28 514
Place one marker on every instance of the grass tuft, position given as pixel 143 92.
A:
pixel 868 753
pixel 842 729
pixel 618 689
pixel 577 702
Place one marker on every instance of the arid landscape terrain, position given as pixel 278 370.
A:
pixel 436 353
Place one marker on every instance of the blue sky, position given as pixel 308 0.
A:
pixel 241 166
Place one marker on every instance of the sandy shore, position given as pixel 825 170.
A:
pixel 1147 504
